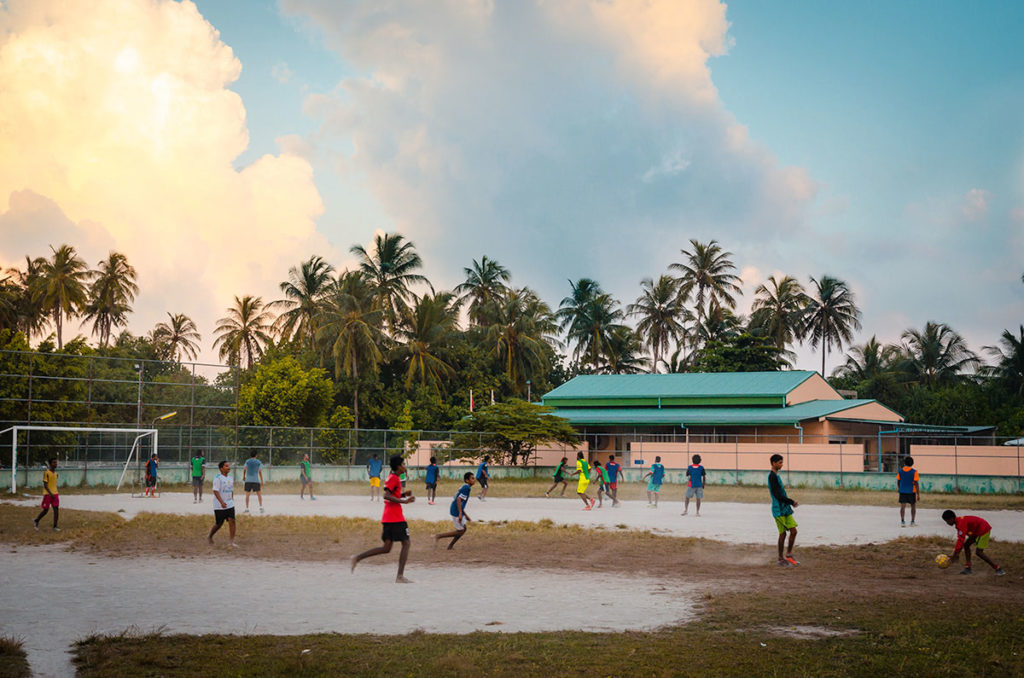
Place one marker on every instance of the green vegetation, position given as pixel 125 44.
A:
pixel 511 431
pixel 13 662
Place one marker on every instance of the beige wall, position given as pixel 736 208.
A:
pixel 813 388
pixel 869 411
pixel 968 460
pixel 545 455
pixel 752 456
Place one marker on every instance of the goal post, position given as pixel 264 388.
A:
pixel 139 435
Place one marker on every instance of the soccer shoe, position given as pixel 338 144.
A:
pixel 913 524
pixel 587 508
pixel 684 513
pixel 1000 572
pixel 592 502
pixel 35 524
pixel 245 511
pixel 967 570
pixel 56 529
pixel 792 561
pixel 903 523
pixel 785 563
pixel 261 509
pixel 312 498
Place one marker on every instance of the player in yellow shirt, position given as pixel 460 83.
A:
pixel 50 496
pixel 583 471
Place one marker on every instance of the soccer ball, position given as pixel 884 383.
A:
pixel 942 560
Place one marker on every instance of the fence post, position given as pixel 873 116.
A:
pixel 841 484
pixel 270 445
pixel 311 446
pixel 737 457
pixel 956 466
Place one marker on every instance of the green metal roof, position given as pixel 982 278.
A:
pixel 707 416
pixel 923 428
pixel 763 387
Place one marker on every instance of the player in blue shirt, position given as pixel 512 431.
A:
pixel 695 488
pixel 656 474
pixel 151 470
pixel 613 469
pixel 460 519
pixel 482 476
pixel 253 479
pixel 431 480
pixel 373 469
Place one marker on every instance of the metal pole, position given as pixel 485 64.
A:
pixel 956 467
pixel 138 412
pixel 14 463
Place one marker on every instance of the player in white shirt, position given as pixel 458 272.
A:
pixel 223 501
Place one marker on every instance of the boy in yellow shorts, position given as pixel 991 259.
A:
pixel 782 511
pixel 583 471
pixel 373 469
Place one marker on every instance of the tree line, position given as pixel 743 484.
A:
pixel 388 337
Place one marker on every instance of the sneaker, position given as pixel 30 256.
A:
pixel 56 529
pixel 592 502
pixel 903 523
pixel 312 498
pixel 547 496
pixel 1000 572
pixel 967 570
pixel 913 524
pixel 651 506
pixel 431 503
pixel 245 511
pixel 35 524
pixel 587 508
pixel 301 498
pixel 261 509
pixel 683 513
pixel 785 563
pixel 792 561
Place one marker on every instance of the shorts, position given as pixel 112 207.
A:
pixel 197 482
pixel 431 486
pixel 695 492
pixel 653 486
pixel 785 523
pixel 374 482
pixel 304 479
pixel 982 541
pixel 459 524
pixel 54 501
pixel 252 487
pixel 908 498
pixel 482 481
pixel 151 481
pixel 582 485
pixel 394 531
pixel 224 514
pixel 612 486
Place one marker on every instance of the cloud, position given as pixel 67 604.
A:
pixel 281 73
pixel 975 205
pixel 526 130
pixel 126 132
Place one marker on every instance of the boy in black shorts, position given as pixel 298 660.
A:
pixel 559 477
pixel 394 527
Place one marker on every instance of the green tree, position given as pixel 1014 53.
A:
pixel 662 316
pixel 305 290
pixel 832 316
pixel 111 294
pixel 483 288
pixel 1009 357
pixel 244 333
pixel 624 353
pixel 337 436
pixel 523 328
pixel 778 310
pixel 869 361
pixel 742 353
pixel 588 316
pixel 388 268
pixel 424 334
pixel 283 393
pixel 936 355
pixel 511 431
pixel 177 338
pixel 707 276
pixel 61 287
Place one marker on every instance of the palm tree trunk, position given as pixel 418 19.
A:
pixel 60 330
pixel 355 398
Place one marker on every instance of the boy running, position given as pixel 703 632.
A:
pixel 431 480
pixel 50 496
pixel 482 476
pixel 306 476
pixel 223 503
pixel 656 474
pixel 253 479
pixel 198 476
pixel 612 470
pixel 602 479
pixel 151 468
pixel 782 511
pixel 458 512
pixel 394 527
pixel 583 471
pixel 559 477
pixel 695 488
pixel 909 487
pixel 373 469
pixel 971 531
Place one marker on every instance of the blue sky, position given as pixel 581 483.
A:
pixel 879 143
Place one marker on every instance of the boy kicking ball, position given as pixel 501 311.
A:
pixel 458 512
pixel 970 531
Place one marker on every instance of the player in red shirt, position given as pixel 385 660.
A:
pixel 393 520
pixel 970 530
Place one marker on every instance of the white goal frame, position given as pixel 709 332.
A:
pixel 140 433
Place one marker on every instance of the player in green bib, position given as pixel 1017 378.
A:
pixel 198 476
pixel 306 476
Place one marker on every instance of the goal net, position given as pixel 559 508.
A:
pixel 78 448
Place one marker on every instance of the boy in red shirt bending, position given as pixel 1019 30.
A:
pixel 394 527
pixel 970 530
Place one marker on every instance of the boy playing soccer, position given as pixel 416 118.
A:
pixel 223 503
pixel 602 479
pixel 151 469
pixel 50 496
pixel 458 512
pixel 394 527
pixel 482 476
pixel 656 475
pixel 910 491
pixel 782 511
pixel 612 470
pixel 198 476
pixel 373 469
pixel 431 480
pixel 559 477
pixel 583 471
pixel 695 488
pixel 253 479
pixel 970 531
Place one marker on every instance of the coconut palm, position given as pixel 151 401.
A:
pixel 720 325
pixel 869 361
pixel 425 332
pixel 778 310
pixel 245 332
pixel 936 355
pixel 349 328
pixel 662 315
pixel 60 288
pixel 305 289
pixel 1009 357
pixel 587 317
pixel 707 277
pixel 522 325
pixel 483 287
pixel 177 339
pixel 831 317
pixel 389 267
pixel 624 353
pixel 111 294
pixel 31 316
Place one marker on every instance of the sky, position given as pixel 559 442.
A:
pixel 219 143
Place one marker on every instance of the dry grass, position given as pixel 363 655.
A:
pixel 13 662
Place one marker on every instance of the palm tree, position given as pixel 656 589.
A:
pixel 484 285
pixel 349 327
pixel 831 317
pixel 624 354
pixel 425 331
pixel 389 269
pixel 523 325
pixel 1009 357
pixel 662 315
pixel 245 332
pixel 708 270
pixel 587 317
pixel 868 361
pixel 778 310
pixel 720 325
pixel 936 355
pixel 305 289
pixel 112 291
pixel 60 287
pixel 178 338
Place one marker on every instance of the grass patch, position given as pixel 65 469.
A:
pixel 13 661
